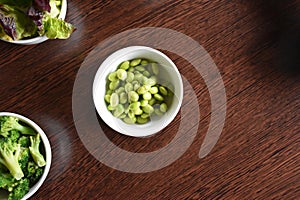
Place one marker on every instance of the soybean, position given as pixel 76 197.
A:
pixel 125 65
pixel 133 93
pixel 114 100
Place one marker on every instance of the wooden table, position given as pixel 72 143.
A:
pixel 257 155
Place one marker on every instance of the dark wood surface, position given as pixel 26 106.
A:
pixel 258 153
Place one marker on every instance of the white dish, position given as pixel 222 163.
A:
pixel 47 151
pixel 156 123
pixel 40 39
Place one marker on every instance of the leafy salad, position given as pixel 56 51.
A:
pixel 22 19
pixel 21 161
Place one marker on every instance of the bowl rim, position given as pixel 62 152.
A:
pixel 40 39
pixel 101 72
pixel 47 147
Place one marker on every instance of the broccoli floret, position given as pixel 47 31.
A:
pixel 9 156
pixel 14 136
pixel 35 151
pixel 24 158
pixel 19 191
pixel 9 123
pixel 33 173
pixel 24 141
pixel 2 120
pixel 6 179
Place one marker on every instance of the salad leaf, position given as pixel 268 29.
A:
pixel 55 28
pixel 21 19
pixel 15 23
pixel 36 16
pixel 42 5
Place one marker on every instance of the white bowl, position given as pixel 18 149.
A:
pixel 47 151
pixel 156 123
pixel 40 39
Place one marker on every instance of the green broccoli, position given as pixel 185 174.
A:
pixel 33 173
pixel 9 156
pixel 24 158
pixel 9 123
pixel 14 136
pixel 19 190
pixel 24 141
pixel 6 179
pixel 35 151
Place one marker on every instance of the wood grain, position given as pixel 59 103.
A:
pixel 257 155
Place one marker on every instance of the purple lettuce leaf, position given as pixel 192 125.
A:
pixel 42 5
pixel 36 16
pixel 8 23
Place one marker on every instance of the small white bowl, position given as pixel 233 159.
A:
pixel 40 39
pixel 110 64
pixel 46 146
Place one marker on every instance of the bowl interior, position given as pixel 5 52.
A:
pixel 169 73
pixel 48 154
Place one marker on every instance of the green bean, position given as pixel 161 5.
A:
pixel 154 67
pixel 136 86
pixel 147 96
pixel 134 82
pixel 136 72
pixel 131 69
pixel 133 96
pixel 113 76
pixel 138 111
pixel 141 120
pixel 131 114
pixel 158 97
pixel 144 80
pixel 126 108
pixel 110 108
pixel 109 92
pixel 135 62
pixel 145 115
pixel 130 77
pixel 123 98
pixel 138 77
pixel 121 74
pixel 142 90
pixel 152 101
pixel 128 87
pixel 119 110
pixel 163 90
pixel 153 90
pixel 134 106
pixel 124 65
pixel 120 90
pixel 122 116
pixel 107 98
pixel 114 100
pixel 144 102
pixel 140 68
pixel 148 109
pixel 163 107
pixel 146 73
pixel 128 120
pixel 114 85
pixel 144 62
pixel 147 87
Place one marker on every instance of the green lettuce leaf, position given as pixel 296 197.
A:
pixel 55 28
